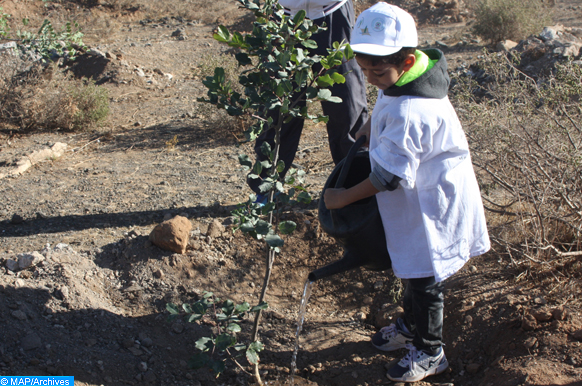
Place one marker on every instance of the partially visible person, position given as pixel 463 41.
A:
pixel 345 118
pixel 423 180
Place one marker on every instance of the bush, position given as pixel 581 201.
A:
pixel 526 143
pixel 49 99
pixel 497 20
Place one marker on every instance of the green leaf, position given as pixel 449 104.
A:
pixel 245 161
pixel 280 166
pixel 234 328
pixel 198 360
pixel 252 356
pixel 257 346
pixel 309 44
pixel 262 306
pixel 263 227
pixel 325 95
pixel 222 35
pixel 243 307
pixel 325 81
pixel 227 307
pixel 274 241
pixel 304 198
pixel 265 186
pixel 338 78
pixel 172 308
pixel 224 341
pixel 204 344
pixel 298 18
pixel 348 52
pixel 287 227
pixel 217 366
pixel 193 318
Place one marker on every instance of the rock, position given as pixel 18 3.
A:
pixel 378 285
pixel 149 377
pixel 368 300
pixel 16 219
pixel 128 343
pixel 12 265
pixel 147 342
pixel 215 229
pixel 542 315
pixel 468 319
pixel 158 274
pixel 26 260
pixel 577 335
pixel 530 342
pixel 560 313
pixel 30 342
pixel 178 328
pixel 549 33
pixel 142 366
pixel 172 235
pixel 18 315
pixel 473 368
pixel 528 323
pixel 505 45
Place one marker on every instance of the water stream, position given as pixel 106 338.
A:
pixel 300 320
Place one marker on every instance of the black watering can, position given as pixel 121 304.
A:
pixel 358 226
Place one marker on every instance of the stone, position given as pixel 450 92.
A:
pixel 18 315
pixel 549 33
pixel 473 368
pixel 149 377
pixel 30 342
pixel 147 342
pixel 215 229
pixel 542 315
pixel 505 45
pixel 12 265
pixel 577 335
pixel 172 235
pixel 26 260
pixel 529 322
pixel 560 313
pixel 530 342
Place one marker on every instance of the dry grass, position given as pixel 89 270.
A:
pixel 36 98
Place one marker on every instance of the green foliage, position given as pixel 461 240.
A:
pixel 497 20
pixel 92 104
pixel 4 30
pixel 47 42
pixel 223 343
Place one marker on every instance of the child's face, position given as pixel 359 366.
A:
pixel 381 75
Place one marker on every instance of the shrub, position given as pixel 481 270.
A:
pixel 497 20
pixel 526 143
pixel 49 99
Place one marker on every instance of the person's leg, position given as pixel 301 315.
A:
pixel 424 304
pixel 347 117
pixel 427 302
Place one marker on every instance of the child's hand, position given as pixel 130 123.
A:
pixel 333 198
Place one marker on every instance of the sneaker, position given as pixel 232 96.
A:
pixel 417 365
pixel 392 337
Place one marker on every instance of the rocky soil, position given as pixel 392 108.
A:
pixel 83 290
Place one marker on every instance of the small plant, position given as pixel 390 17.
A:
pixel 49 43
pixel 223 341
pixel 497 20
pixel 277 73
pixel 49 99
pixel 4 30
pixel 171 144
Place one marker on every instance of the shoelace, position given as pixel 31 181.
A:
pixel 408 360
pixel 389 331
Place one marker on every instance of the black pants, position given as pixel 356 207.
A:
pixel 423 303
pixel 345 118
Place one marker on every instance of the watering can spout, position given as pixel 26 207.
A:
pixel 346 263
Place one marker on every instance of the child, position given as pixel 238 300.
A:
pixel 423 180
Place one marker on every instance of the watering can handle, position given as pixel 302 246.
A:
pixel 348 161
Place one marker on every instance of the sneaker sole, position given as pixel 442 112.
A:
pixel 419 377
pixel 392 347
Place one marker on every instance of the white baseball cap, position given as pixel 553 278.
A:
pixel 383 29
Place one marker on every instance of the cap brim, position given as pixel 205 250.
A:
pixel 373 49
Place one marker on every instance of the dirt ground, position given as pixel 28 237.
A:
pixel 95 307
